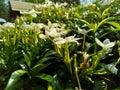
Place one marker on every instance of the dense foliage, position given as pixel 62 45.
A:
pixel 57 46
pixel 3 9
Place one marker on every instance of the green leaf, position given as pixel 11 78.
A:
pixel 47 56
pixel 115 24
pixel 103 21
pixel 27 59
pixel 14 78
pixel 49 53
pixel 91 25
pixel 98 14
pixel 105 11
pixel 56 84
pixel 45 77
pixel 86 22
pixel 23 66
pixel 37 68
pixel 44 59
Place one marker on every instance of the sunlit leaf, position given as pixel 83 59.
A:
pixel 105 11
pixel 14 78
pixel 115 24
pixel 103 21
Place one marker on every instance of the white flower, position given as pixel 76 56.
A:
pixel 26 26
pixel 54 30
pixel 1 40
pixel 8 25
pixel 50 25
pixel 60 40
pixel 36 6
pixel 90 4
pixel 106 43
pixel 72 39
pixel 64 4
pixel 42 36
pixel 33 13
pixel 112 68
pixel 40 25
pixel 83 31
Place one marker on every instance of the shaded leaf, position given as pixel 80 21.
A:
pixel 100 85
pixel 27 59
pixel 37 68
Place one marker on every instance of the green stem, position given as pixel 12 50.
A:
pixel 83 46
pixel 67 59
pixel 76 72
pixel 77 77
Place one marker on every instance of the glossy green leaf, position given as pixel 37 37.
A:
pixel 45 77
pixel 14 78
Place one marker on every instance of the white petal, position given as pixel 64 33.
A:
pixel 9 25
pixel 99 42
pixel 34 15
pixel 106 41
pixel 109 45
pixel 42 36
pixel 72 39
pixel 59 41
pixel 40 25
pixel 63 32
pixel 112 68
